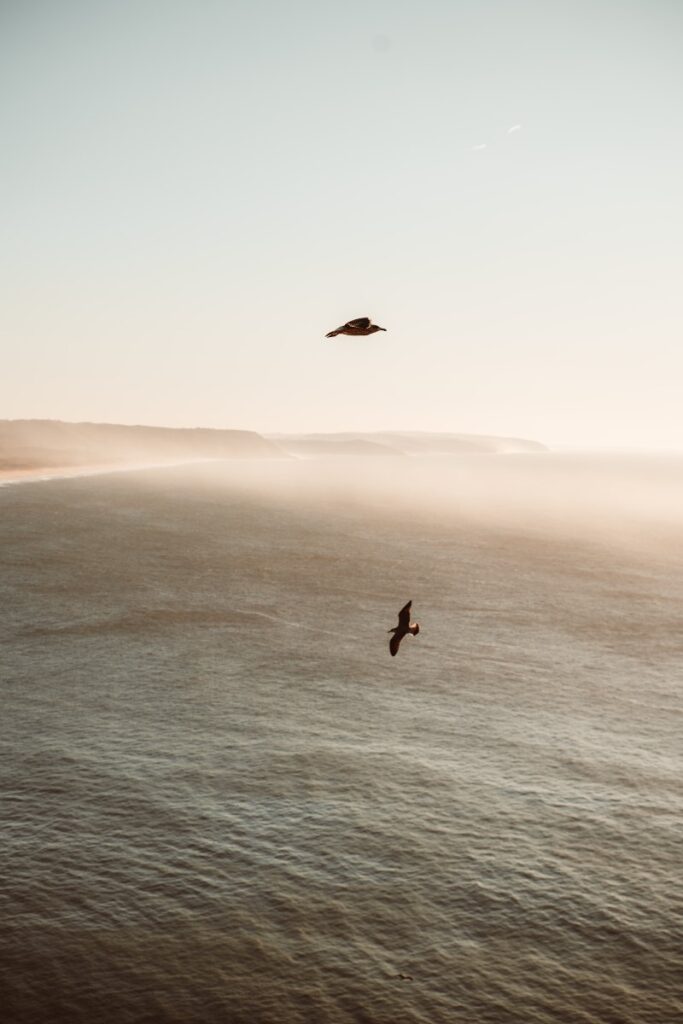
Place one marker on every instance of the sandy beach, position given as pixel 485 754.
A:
pixel 13 476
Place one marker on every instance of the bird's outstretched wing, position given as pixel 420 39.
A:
pixel 361 322
pixel 394 643
pixel 404 616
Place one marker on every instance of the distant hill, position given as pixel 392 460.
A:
pixel 45 444
pixel 41 444
pixel 402 443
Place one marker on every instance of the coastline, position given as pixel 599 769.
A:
pixel 38 473
pixel 17 476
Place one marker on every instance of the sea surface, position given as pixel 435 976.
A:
pixel 223 801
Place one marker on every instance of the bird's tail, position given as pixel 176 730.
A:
pixel 332 334
pixel 414 629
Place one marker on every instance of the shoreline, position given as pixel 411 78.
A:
pixel 17 476
pixel 38 474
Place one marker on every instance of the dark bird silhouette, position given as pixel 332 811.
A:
pixel 360 326
pixel 404 626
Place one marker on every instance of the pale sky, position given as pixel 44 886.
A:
pixel 195 191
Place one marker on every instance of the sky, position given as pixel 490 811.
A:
pixel 195 191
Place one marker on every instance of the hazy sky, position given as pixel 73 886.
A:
pixel 195 191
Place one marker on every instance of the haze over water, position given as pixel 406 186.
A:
pixel 224 801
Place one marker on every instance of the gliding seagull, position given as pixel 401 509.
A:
pixel 404 626
pixel 360 326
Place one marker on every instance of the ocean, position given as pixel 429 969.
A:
pixel 223 801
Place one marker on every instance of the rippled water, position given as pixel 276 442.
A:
pixel 224 801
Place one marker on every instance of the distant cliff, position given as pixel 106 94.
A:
pixel 40 444
pixel 44 444
pixel 402 443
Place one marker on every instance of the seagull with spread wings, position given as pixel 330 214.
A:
pixel 404 626
pixel 362 325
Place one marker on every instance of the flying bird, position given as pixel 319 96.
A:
pixel 360 326
pixel 404 626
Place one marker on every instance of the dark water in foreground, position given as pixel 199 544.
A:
pixel 223 801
